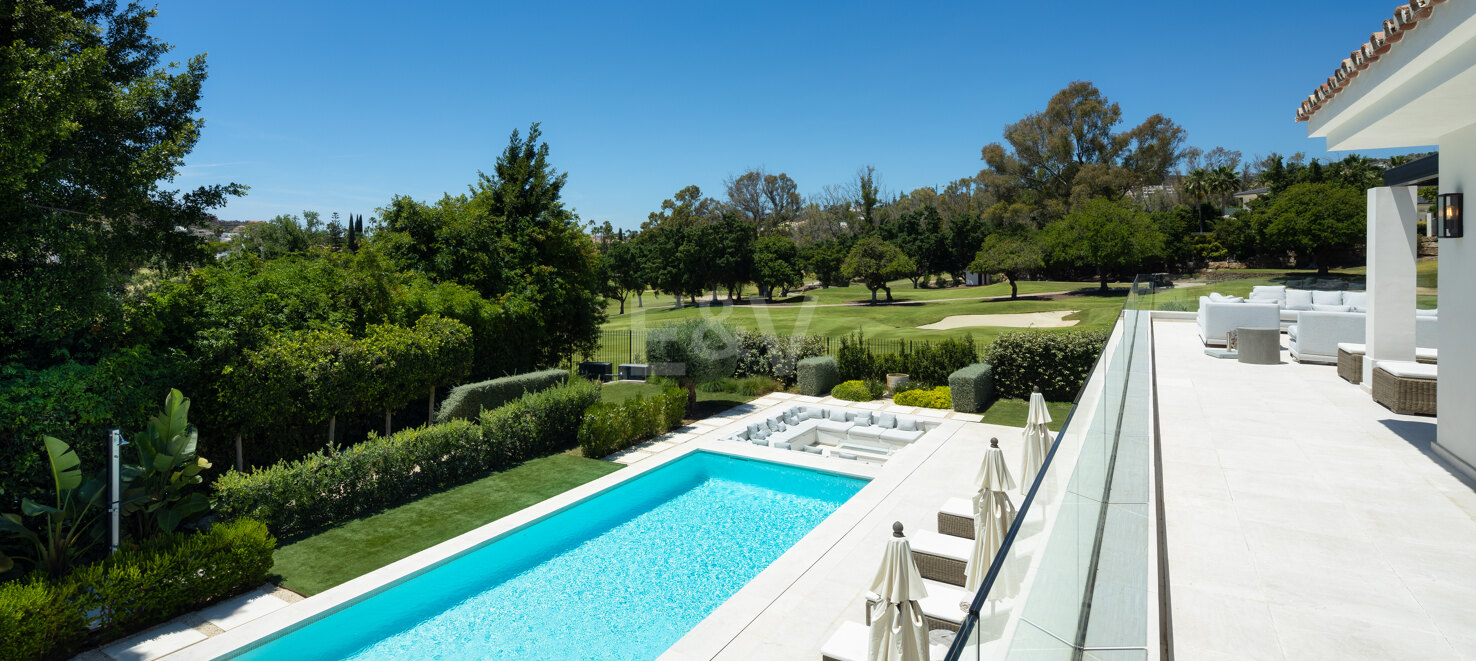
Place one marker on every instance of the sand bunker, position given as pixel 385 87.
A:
pixel 1055 319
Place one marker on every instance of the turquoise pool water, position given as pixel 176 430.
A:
pixel 621 575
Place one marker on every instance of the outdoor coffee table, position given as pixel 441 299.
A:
pixel 1258 346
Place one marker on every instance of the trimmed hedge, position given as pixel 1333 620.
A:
pixel 610 427
pixel 776 356
pixel 927 362
pixel 1057 362
pixel 299 497
pixel 973 388
pixel 857 391
pixel 467 401
pixel 132 589
pixel 936 398
pixel 818 375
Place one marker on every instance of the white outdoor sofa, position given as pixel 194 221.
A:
pixel 1316 335
pixel 1219 313
pixel 1216 317
pixel 835 432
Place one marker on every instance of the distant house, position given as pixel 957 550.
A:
pixel 1244 197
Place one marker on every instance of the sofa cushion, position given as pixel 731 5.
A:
pixel 781 446
pixel 837 415
pixel 870 431
pixel 906 424
pixel 1298 299
pixel 812 449
pixel 900 436
pixel 759 441
pixel 863 419
pixel 1268 294
pixel 835 427
pixel 1426 313
pixel 1327 298
pixel 1357 301
pixel 886 420
pixel 1217 297
pixel 1407 370
pixel 1331 308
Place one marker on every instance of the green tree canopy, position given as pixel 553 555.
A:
pixel 692 352
pixel 510 237
pixel 1104 235
pixel 1071 152
pixel 775 264
pixel 1315 219
pixel 876 262
pixel 94 123
pixel 1010 254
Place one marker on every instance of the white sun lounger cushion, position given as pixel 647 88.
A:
pixel 899 436
pixel 851 642
pixel 958 507
pixel 1355 349
pixel 944 546
pixel 1407 370
pixel 943 601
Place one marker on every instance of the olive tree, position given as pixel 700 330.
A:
pixel 692 352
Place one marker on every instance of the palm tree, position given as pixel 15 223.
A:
pixel 1225 181
pixel 1196 183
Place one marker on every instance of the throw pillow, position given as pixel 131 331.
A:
pixel 887 420
pixel 1327 298
pixel 1298 299
pixel 837 415
pixel 1357 301
pixel 906 424
pixel 1331 308
pixel 1268 294
pixel 863 419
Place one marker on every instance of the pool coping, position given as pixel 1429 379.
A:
pixel 247 636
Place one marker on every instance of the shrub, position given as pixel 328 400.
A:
pixel 1056 362
pixel 774 356
pixel 936 398
pixel 467 401
pixel 818 375
pixel 857 391
pixel 752 386
pixel 132 589
pixel 608 427
pixel 972 388
pixel 925 362
pixel 294 498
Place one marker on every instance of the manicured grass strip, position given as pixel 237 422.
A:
pixel 334 556
pixel 1012 412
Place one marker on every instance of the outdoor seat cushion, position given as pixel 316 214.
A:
pixel 1331 308
pixel 866 431
pixel 906 424
pixel 886 420
pixel 812 449
pixel 1268 294
pixel 835 427
pixel 759 441
pixel 899 436
pixel 1427 313
pixel 1298 299
pixel 1357 301
pixel 1326 298
pixel 1432 354
pixel 780 446
pixel 1407 370
pixel 1353 348
pixel 838 415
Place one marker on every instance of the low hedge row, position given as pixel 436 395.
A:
pixel 611 427
pixel 818 375
pixel 299 497
pixel 132 589
pixel 935 398
pixel 1057 362
pixel 467 401
pixel 973 388
pixel 928 361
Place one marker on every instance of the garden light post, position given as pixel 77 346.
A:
pixel 115 495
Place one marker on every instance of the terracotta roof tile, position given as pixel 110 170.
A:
pixel 1406 17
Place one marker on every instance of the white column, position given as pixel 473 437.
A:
pixel 1392 250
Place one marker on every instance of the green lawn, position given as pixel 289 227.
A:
pixel 1426 275
pixel 1012 412
pixel 882 322
pixel 902 291
pixel 336 555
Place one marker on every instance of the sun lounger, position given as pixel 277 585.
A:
pixel 941 557
pixel 940 608
pixel 850 642
pixel 956 517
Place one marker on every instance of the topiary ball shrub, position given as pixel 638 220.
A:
pixel 853 391
pixel 973 388
pixel 818 375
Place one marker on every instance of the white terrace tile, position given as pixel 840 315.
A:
pixel 239 610
pixel 156 642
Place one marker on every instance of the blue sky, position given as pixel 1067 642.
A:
pixel 320 107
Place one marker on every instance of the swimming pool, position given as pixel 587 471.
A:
pixel 621 575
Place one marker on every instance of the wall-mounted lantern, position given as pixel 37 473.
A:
pixel 1450 224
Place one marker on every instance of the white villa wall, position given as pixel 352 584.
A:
pixel 1392 251
pixel 1456 438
